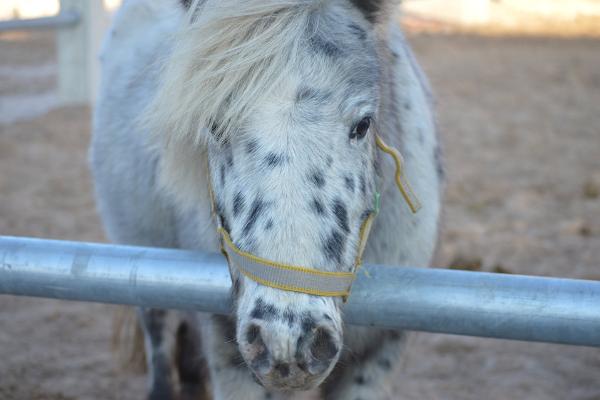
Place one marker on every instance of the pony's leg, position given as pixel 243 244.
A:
pixel 231 379
pixel 364 375
pixel 190 363
pixel 159 345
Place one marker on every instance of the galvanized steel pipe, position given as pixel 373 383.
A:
pixel 434 300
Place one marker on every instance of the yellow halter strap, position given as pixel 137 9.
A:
pixel 309 280
pixel 401 181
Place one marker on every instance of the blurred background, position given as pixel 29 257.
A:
pixel 517 86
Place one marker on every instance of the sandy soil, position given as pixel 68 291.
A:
pixel 521 127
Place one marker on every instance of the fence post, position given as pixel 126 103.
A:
pixel 468 12
pixel 78 50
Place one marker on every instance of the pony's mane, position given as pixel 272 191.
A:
pixel 228 54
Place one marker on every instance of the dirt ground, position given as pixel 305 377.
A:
pixel 520 119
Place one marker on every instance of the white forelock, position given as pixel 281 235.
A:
pixel 227 55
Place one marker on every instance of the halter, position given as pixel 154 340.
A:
pixel 309 280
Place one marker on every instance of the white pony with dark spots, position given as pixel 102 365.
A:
pixel 275 105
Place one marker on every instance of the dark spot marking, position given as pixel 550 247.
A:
pixel 358 31
pixel 216 131
pixel 308 323
pixel 257 312
pixel 360 380
pixel 289 317
pixel 384 363
pixel 317 206
pixel 238 204
pixel 329 161
pixel 268 312
pixel 222 171
pixel 229 156
pixel 349 182
pixel 317 178
pixel 273 160
pixel 363 185
pixel 251 146
pixel 334 246
pixel 407 105
pixel 369 8
pixel 252 333
pixel 341 215
pixel 283 369
pixel 302 366
pixel 269 225
pixel 327 317
pixel 377 166
pixel 268 396
pixel 256 210
pixel 321 45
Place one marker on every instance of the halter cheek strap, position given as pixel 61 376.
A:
pixel 309 280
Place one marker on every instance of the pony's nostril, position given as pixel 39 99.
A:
pixel 257 354
pixel 252 333
pixel 323 347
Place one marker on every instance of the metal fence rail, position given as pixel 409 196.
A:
pixel 458 302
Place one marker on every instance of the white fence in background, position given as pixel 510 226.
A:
pixel 470 12
pixel 79 27
pixel 478 12
pixel 79 41
pixel 15 9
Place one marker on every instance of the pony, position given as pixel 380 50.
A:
pixel 273 106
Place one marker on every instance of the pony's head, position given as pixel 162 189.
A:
pixel 283 96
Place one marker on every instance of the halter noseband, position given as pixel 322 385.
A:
pixel 309 280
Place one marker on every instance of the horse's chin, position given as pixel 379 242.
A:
pixel 292 384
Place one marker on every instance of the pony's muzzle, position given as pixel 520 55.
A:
pixel 283 360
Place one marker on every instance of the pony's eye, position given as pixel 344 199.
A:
pixel 361 129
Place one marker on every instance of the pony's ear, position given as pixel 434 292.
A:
pixel 373 9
